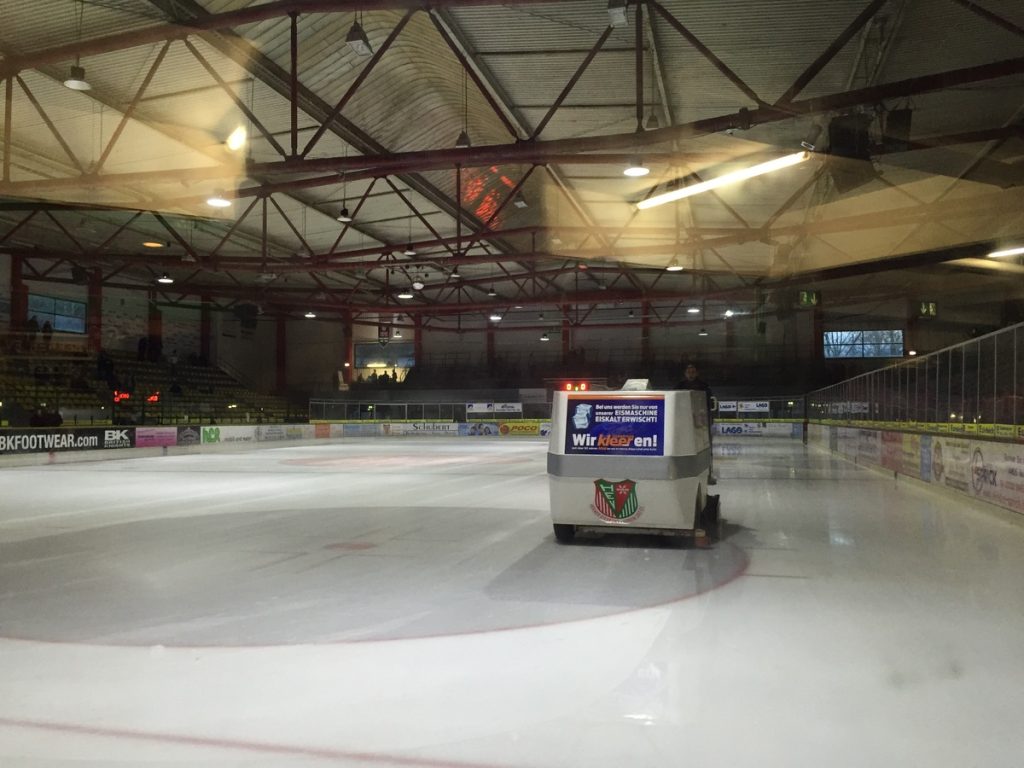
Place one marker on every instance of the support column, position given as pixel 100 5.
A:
pixel 490 349
pixel 818 329
pixel 645 334
pixel 349 351
pixel 281 367
pixel 94 311
pixel 417 342
pixel 155 326
pixel 730 341
pixel 566 335
pixel 205 328
pixel 19 295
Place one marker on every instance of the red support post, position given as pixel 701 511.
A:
pixel 94 310
pixel 205 327
pixel 566 335
pixel 491 356
pixel 281 367
pixel 348 342
pixel 645 333
pixel 155 321
pixel 417 341
pixel 19 295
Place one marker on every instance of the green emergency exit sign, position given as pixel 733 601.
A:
pixel 927 309
pixel 810 298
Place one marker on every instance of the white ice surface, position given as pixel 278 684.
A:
pixel 242 609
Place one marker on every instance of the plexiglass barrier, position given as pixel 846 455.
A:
pixel 972 383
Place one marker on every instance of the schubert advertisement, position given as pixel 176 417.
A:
pixel 612 425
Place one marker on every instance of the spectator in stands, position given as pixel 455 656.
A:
pixel 104 366
pixel 31 329
pixel 47 334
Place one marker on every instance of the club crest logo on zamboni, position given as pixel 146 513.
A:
pixel 615 500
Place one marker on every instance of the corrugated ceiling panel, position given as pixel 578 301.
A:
pixel 575 25
pixel 41 24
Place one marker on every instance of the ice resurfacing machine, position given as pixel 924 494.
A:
pixel 631 461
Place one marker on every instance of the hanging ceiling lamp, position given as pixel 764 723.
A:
pixel 462 141
pixel 636 168
pixel 218 200
pixel 76 79
pixel 357 40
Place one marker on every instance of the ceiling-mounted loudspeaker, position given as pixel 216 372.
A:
pixel 849 136
pixel 784 300
pixel 897 130
pixel 246 314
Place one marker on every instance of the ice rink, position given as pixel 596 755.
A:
pixel 402 602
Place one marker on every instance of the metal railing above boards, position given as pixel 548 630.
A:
pixel 970 387
pixel 370 410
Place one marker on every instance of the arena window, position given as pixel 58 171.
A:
pixel 847 344
pixel 64 316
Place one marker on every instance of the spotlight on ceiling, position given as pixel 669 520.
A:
pixel 417 285
pixel 358 41
pixel 495 317
pixel 617 13
pixel 165 279
pixel 729 313
pixel 343 215
pixel 491 292
pixel 702 332
pixel 218 200
pixel 912 352
pixel 636 168
pixel 405 293
pixel 311 314
pixel 76 79
pixel 519 201
pixel 152 244
pixel 455 273
pixel 674 266
pixel 545 337
pixel 397 334
pixel 728 178
pixel 237 138
pixel 462 141
pixel 409 250
pixel 1007 252
pixel 694 310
